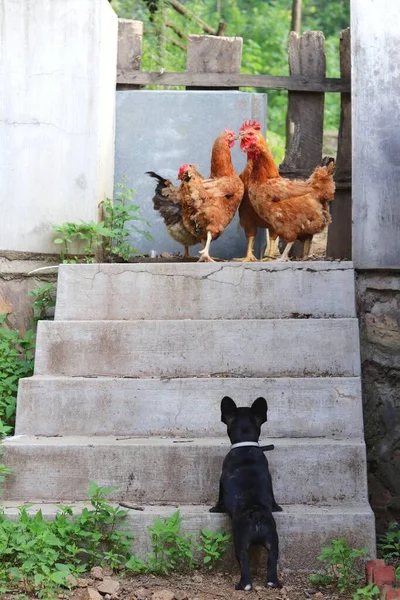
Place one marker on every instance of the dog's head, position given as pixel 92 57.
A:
pixel 243 423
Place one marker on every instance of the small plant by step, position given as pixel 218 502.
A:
pixel 173 550
pixel 44 301
pixel 108 238
pixel 341 566
pixel 36 555
pixel 213 545
pixel 389 544
pixel 16 361
pixel 369 592
pixel 115 216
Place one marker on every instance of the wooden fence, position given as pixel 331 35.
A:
pixel 213 63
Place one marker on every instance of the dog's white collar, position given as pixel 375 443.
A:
pixel 241 444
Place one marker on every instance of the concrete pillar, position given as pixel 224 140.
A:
pixel 376 133
pixel 57 112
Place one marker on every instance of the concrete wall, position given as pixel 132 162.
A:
pixel 376 132
pixel 161 130
pixel 58 73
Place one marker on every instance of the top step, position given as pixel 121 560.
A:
pixel 205 291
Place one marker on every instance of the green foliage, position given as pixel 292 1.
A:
pixel 44 298
pixel 16 361
pixel 109 235
pixel 397 574
pixel 340 565
pixel 87 236
pixel 174 551
pixel 116 214
pixel 171 550
pixel 213 545
pixel 320 580
pixel 369 592
pixel 389 544
pixel 37 555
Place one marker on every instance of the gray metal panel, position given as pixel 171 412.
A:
pixel 161 130
pixel 376 133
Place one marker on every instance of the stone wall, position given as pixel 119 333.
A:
pixel 378 303
pixel 17 280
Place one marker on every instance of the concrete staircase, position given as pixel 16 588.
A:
pixel 128 383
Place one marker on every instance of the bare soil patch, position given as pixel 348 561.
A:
pixel 199 586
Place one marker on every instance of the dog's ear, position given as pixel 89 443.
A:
pixel 228 410
pixel 259 409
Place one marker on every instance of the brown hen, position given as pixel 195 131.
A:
pixel 292 209
pixel 209 205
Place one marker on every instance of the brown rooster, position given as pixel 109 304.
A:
pixel 248 218
pixel 292 209
pixel 209 205
pixel 167 202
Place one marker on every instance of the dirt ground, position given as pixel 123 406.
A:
pixel 197 586
pixel 222 585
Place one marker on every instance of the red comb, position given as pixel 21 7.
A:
pixel 182 170
pixel 226 130
pixel 250 125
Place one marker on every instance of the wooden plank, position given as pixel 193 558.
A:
pixel 305 110
pixel 226 80
pixel 211 54
pixel 339 233
pixel 130 38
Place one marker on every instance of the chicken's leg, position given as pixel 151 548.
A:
pixel 285 253
pixel 249 254
pixel 186 253
pixel 307 248
pixel 270 251
pixel 204 254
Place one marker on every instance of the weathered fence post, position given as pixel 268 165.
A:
pixel 339 232
pixel 130 40
pixel 213 54
pixel 305 109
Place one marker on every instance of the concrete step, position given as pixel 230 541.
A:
pixel 298 407
pixel 205 291
pixel 303 530
pixel 247 348
pixel 166 470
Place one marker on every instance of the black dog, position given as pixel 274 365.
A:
pixel 245 489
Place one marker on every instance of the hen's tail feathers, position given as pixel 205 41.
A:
pixel 329 163
pixel 160 179
pixel 322 180
pixel 165 200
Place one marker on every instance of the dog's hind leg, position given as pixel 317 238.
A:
pixel 272 545
pixel 242 545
